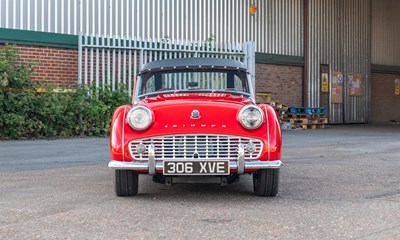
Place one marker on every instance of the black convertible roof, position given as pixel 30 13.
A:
pixel 181 63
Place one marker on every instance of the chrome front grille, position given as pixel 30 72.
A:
pixel 213 147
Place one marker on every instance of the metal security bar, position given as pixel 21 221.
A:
pixel 116 61
pixel 276 27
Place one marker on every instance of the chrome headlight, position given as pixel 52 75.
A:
pixel 140 118
pixel 251 117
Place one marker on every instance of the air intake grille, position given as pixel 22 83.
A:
pixel 213 147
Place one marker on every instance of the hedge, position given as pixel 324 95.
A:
pixel 28 113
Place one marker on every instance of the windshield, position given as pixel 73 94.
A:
pixel 230 81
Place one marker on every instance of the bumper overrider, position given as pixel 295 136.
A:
pixel 152 165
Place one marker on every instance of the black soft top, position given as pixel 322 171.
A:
pixel 182 63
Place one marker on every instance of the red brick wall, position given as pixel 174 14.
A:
pixel 284 82
pixel 56 66
pixel 59 66
pixel 385 105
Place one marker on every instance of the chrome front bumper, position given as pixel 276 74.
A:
pixel 144 166
pixel 152 165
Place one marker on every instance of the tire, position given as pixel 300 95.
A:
pixel 266 182
pixel 126 183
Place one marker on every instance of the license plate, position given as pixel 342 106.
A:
pixel 196 167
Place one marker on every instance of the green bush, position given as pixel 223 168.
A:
pixel 26 113
pixel 95 110
pixel 14 74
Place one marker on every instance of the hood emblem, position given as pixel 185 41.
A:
pixel 195 114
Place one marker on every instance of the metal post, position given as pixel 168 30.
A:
pixel 141 60
pixel 113 64
pixel 130 66
pixel 86 61
pixel 92 39
pixel 80 59
pixel 103 63
pixel 108 61
pixel 97 61
pixel 250 61
pixel 119 55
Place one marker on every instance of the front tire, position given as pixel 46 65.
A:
pixel 126 183
pixel 266 182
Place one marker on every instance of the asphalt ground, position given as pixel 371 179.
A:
pixel 342 182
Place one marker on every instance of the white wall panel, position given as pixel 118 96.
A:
pixel 277 26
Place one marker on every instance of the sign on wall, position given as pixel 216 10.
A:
pixel 397 86
pixel 324 79
pixel 355 84
pixel 324 83
pixel 337 87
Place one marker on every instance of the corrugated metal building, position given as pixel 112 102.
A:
pixel 339 54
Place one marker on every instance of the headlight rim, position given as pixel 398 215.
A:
pixel 243 109
pixel 147 110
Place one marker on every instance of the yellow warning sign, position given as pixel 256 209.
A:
pixel 324 83
pixel 397 86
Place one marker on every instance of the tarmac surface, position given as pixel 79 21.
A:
pixel 342 182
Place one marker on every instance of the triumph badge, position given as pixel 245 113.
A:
pixel 195 114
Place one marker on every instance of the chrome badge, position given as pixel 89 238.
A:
pixel 195 114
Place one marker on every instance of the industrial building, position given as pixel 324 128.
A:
pixel 340 54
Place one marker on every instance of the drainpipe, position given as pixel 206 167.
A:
pixel 306 57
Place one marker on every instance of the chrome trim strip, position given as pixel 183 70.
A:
pixel 263 164
pixel 142 166
pixel 123 135
pixel 129 165
pixel 152 160
pixel 240 159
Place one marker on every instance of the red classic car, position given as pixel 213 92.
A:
pixel 194 120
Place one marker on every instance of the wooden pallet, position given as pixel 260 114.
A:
pixel 298 121
pixel 308 125
pixel 309 116
pixel 323 120
pixel 313 126
pixel 280 109
pixel 307 122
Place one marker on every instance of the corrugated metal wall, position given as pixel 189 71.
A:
pixel 386 32
pixel 281 27
pixel 339 35
pixel 277 26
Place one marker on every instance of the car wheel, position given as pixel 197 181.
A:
pixel 266 182
pixel 126 183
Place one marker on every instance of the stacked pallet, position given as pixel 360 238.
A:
pixel 295 117
pixel 266 98
pixel 306 118
pixel 281 109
